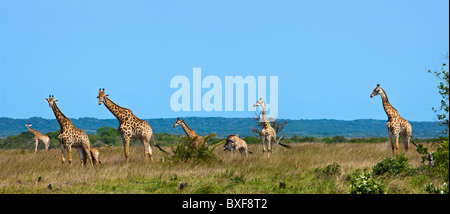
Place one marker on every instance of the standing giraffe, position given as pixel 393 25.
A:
pixel 268 134
pixel 191 134
pixel 396 125
pixel 70 136
pixel 130 127
pixel 39 138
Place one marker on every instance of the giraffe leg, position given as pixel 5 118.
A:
pixel 263 139
pixel 63 154
pixel 391 137
pixel 267 145
pixel 406 140
pixel 82 155
pixel 69 154
pixel 126 147
pixel 87 153
pixel 36 147
pixel 396 136
pixel 147 150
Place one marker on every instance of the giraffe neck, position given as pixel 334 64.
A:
pixel 189 132
pixel 63 121
pixel 34 132
pixel 391 112
pixel 265 120
pixel 118 111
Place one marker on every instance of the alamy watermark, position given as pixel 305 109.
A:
pixel 213 100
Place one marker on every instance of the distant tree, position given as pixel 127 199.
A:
pixel 108 134
pixel 442 112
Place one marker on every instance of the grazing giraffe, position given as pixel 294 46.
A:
pixel 95 156
pixel 268 134
pixel 233 143
pixel 191 134
pixel 70 136
pixel 396 125
pixel 130 127
pixel 39 138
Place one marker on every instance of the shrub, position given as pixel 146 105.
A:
pixel 441 159
pixel 185 151
pixel 330 170
pixel 391 166
pixel 365 184
pixel 430 188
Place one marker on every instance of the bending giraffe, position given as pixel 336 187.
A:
pixel 191 134
pixel 130 127
pixel 39 138
pixel 70 136
pixel 396 125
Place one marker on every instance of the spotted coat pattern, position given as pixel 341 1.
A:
pixel 130 127
pixel 236 143
pixel 397 126
pixel 70 136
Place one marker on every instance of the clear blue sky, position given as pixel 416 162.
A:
pixel 328 55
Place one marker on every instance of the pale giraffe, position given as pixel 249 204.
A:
pixel 396 125
pixel 268 134
pixel 95 156
pixel 130 127
pixel 233 142
pixel 70 136
pixel 39 138
pixel 191 134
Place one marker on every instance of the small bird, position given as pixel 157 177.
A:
pixel 49 187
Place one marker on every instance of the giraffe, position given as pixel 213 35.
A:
pixel 39 138
pixel 95 156
pixel 396 125
pixel 70 136
pixel 268 134
pixel 233 143
pixel 130 127
pixel 191 134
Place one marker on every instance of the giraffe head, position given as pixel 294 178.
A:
pixel 28 125
pixel 261 103
pixel 178 123
pixel 101 95
pixel 51 101
pixel 377 91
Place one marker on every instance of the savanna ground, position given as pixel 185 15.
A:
pixel 300 168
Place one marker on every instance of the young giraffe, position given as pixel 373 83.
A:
pixel 130 127
pixel 396 125
pixel 233 142
pixel 191 134
pixel 268 134
pixel 39 138
pixel 70 136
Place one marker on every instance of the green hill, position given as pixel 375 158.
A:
pixel 225 126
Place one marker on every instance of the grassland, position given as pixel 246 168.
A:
pixel 20 171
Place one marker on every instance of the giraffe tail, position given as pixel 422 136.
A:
pixel 157 146
pixel 281 144
pixel 412 141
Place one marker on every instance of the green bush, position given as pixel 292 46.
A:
pixel 203 154
pixel 441 159
pixel 365 184
pixel 391 166
pixel 329 170
pixel 430 188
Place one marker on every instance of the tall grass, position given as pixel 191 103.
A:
pixel 297 168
